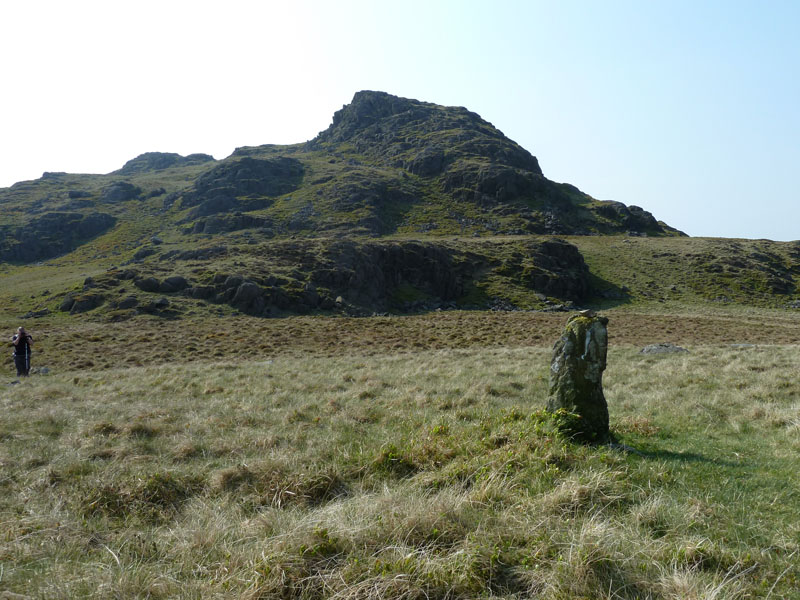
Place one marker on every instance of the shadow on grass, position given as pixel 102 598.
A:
pixel 604 294
pixel 685 457
pixel 689 457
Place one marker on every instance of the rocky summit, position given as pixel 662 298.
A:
pixel 446 170
pixel 399 205
pixel 386 165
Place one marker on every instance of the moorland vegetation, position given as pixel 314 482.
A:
pixel 319 371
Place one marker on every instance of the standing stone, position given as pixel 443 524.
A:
pixel 576 373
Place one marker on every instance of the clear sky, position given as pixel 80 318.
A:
pixel 690 109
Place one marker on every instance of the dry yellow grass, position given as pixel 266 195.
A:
pixel 401 475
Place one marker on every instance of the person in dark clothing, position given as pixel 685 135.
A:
pixel 22 351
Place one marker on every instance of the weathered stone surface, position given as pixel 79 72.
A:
pixel 157 161
pixel 226 222
pixel 249 297
pixel 120 191
pixel 634 218
pixel 148 284
pixel 662 348
pixel 576 373
pixel 244 177
pixel 124 275
pixel 127 302
pixel 429 161
pixel 173 284
pixel 143 253
pixel 86 302
pixel 66 303
pixel 51 234
pixel 379 276
pixel 156 306
pixel 202 292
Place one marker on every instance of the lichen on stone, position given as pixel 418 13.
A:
pixel 576 371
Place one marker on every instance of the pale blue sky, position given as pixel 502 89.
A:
pixel 688 109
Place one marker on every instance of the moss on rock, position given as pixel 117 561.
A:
pixel 576 372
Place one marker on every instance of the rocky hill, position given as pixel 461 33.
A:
pixel 399 205
pixel 385 166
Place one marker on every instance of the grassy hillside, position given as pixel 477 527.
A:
pixel 381 473
pixel 704 271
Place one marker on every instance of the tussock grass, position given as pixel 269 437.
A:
pixel 398 475
pixel 65 343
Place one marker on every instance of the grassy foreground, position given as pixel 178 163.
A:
pixel 394 474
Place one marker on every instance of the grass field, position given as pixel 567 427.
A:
pixel 399 458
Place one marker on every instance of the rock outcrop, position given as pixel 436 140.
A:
pixel 576 376
pixel 378 276
pixel 51 234
pixel 120 191
pixel 158 161
pixel 473 164
pixel 245 177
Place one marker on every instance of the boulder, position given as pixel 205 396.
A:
pixel 246 293
pixel 156 305
pixel 173 284
pixel 143 253
pixel 148 284
pixel 127 302
pixel 124 275
pixel 86 302
pixel 233 281
pixel 201 292
pixel 576 373
pixel 120 191
pixel 67 302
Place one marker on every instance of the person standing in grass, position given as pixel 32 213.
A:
pixel 22 351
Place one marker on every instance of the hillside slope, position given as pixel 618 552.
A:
pixel 385 166
pixel 399 206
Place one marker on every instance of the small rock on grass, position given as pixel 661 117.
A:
pixel 662 348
